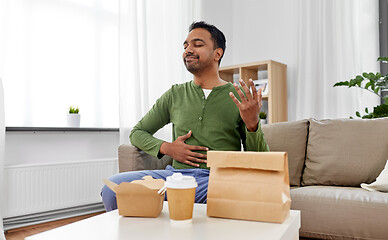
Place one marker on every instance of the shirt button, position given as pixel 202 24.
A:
pixel 200 118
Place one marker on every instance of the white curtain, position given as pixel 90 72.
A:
pixel 2 140
pixel 151 37
pixel 337 41
pixel 2 119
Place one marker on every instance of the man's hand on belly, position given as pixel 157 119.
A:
pixel 183 152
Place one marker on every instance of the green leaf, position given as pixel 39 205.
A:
pixel 262 115
pixel 73 110
pixel 358 114
pixel 346 83
pixel 367 85
pixel 359 78
pixel 366 110
pixel 351 117
pixel 353 82
pixel 383 59
pixel 377 90
pixel 380 111
pixel 369 116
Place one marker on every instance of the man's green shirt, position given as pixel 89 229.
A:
pixel 215 122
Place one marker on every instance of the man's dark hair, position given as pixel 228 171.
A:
pixel 217 36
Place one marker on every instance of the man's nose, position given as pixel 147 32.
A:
pixel 188 50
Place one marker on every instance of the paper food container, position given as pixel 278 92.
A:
pixel 248 186
pixel 138 198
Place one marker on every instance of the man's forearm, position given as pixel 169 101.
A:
pixel 146 142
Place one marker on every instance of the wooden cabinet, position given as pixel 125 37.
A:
pixel 276 73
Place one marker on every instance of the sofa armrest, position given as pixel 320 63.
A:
pixel 132 158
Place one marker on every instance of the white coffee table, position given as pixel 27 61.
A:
pixel 110 226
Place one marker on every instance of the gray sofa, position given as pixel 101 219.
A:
pixel 328 160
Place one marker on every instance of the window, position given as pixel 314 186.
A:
pixel 57 54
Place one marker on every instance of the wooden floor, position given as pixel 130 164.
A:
pixel 21 233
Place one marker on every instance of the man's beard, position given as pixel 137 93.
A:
pixel 193 67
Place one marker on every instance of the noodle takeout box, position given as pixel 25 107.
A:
pixel 139 198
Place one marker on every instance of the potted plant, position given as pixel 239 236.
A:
pixel 376 84
pixel 73 117
pixel 263 118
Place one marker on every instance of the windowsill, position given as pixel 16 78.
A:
pixel 59 129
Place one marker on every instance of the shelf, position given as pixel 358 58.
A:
pixel 59 129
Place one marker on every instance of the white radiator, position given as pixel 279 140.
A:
pixel 39 188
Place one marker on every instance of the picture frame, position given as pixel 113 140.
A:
pixel 262 83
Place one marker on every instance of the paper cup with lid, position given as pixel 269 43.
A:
pixel 180 196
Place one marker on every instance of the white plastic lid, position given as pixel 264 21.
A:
pixel 178 181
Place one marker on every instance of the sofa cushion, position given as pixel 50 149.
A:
pixel 345 152
pixel 290 137
pixel 341 212
pixel 132 158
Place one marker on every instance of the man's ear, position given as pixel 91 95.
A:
pixel 218 54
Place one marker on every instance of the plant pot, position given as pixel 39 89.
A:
pixel 263 121
pixel 73 119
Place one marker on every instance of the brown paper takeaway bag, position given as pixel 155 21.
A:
pixel 248 185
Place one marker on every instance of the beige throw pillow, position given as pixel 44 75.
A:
pixel 345 152
pixel 290 137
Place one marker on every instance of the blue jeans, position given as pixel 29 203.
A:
pixel 200 175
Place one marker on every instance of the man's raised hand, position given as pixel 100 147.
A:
pixel 183 152
pixel 249 106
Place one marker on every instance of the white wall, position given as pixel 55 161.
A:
pixel 269 29
pixel 59 147
pixel 37 164
pixel 258 30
